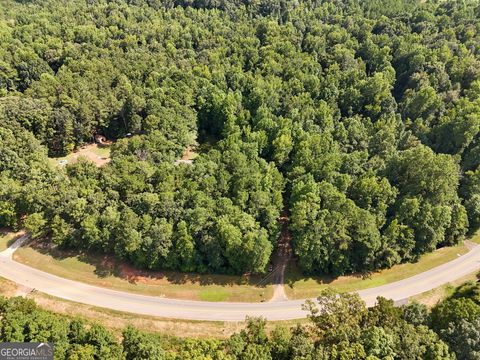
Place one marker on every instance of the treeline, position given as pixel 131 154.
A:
pixel 340 327
pixel 362 117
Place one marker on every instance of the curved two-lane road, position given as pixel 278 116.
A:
pixel 218 311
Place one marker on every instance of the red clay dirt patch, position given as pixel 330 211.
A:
pixel 91 152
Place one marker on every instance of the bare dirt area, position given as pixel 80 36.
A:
pixel 281 258
pixel 190 153
pixel 98 154
pixel 93 153
pixel 188 156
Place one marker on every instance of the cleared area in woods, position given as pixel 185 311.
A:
pixel 98 154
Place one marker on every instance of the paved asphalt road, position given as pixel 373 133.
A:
pixel 219 311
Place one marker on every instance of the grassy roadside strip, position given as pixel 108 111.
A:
pixel 7 288
pixel 117 320
pixel 92 270
pixel 95 270
pixel 475 238
pixel 432 297
pixel 7 238
pixel 298 288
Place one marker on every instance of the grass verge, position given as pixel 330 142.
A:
pixel 432 297
pixel 475 238
pixel 7 238
pixel 103 271
pixel 7 288
pixel 299 287
pixel 116 321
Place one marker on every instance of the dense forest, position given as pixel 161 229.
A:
pixel 360 117
pixel 341 328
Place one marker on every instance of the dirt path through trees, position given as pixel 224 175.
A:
pixel 281 258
